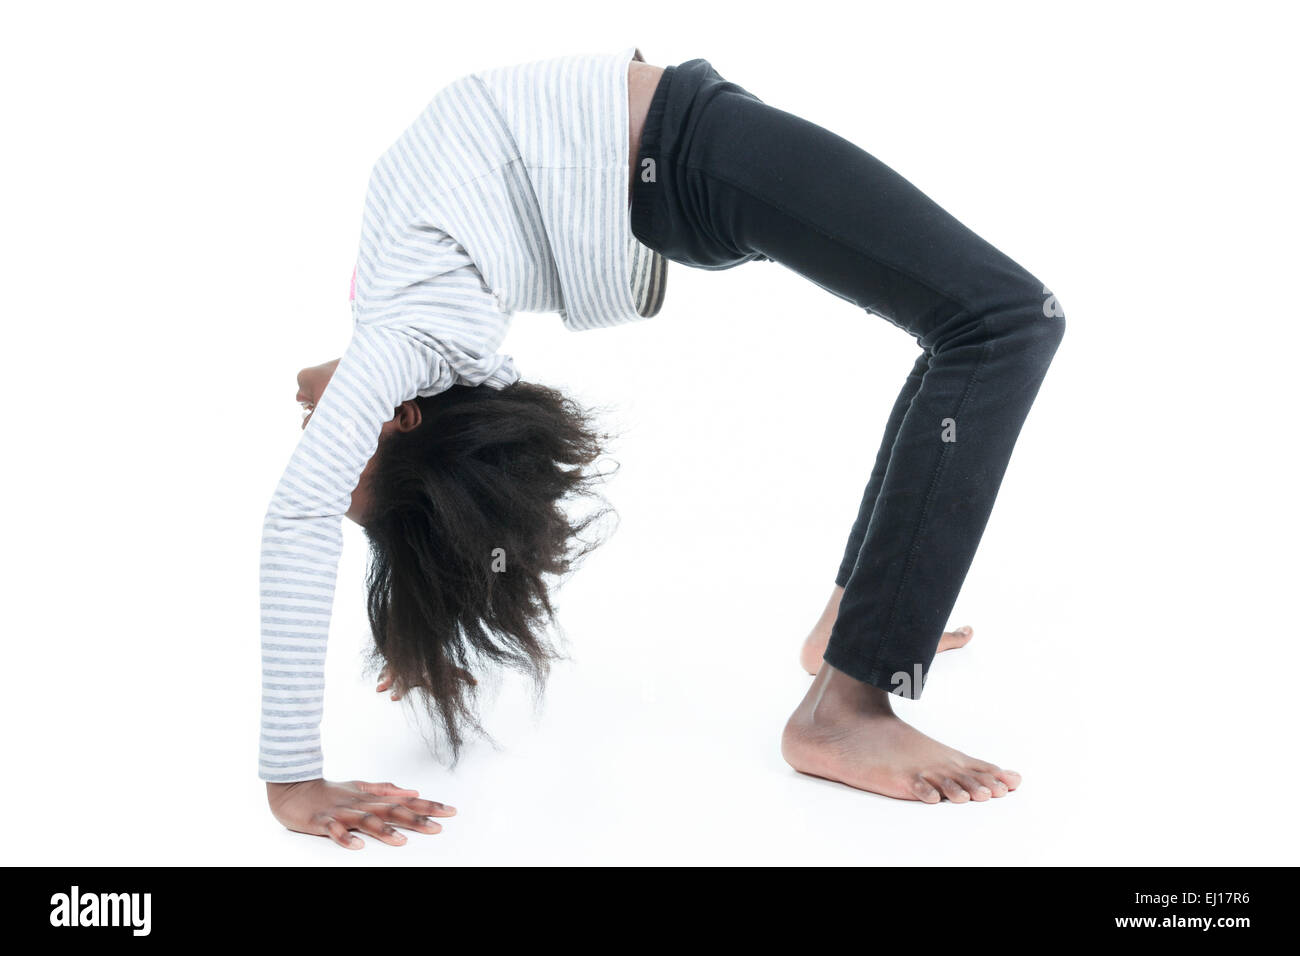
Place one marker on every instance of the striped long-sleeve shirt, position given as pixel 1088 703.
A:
pixel 509 193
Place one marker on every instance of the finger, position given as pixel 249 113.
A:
pixel 371 823
pixel 431 808
pixel 401 816
pixel 384 789
pixel 384 684
pixel 340 835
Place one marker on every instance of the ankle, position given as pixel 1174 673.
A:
pixel 835 694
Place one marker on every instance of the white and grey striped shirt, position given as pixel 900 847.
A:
pixel 509 193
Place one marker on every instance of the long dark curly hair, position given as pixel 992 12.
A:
pixel 470 526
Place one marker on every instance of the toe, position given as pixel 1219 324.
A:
pixel 996 787
pixel 953 790
pixel 925 791
pixel 977 790
pixel 1008 777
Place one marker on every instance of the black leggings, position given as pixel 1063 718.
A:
pixel 722 179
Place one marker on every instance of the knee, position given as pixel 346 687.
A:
pixel 1023 323
pixel 1047 331
pixel 1054 314
pixel 1038 327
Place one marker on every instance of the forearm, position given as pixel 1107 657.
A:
pixel 299 563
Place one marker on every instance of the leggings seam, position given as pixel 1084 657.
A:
pixel 914 547
pixel 834 238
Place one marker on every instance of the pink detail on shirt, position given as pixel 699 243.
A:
pixel 352 292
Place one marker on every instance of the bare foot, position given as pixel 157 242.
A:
pixel 814 645
pixel 845 730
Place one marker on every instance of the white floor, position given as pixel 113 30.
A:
pixel 1133 599
pixel 657 742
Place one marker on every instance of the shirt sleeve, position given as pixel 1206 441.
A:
pixel 427 337
pixel 302 538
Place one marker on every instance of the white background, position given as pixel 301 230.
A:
pixel 181 201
